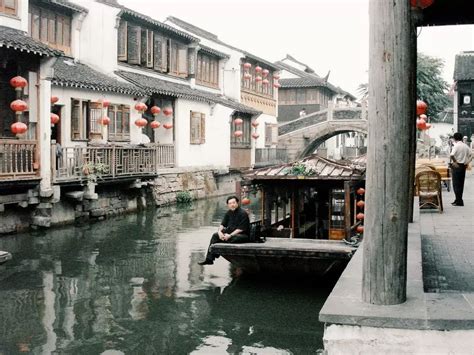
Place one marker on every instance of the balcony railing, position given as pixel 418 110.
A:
pixel 72 162
pixel 270 156
pixel 18 159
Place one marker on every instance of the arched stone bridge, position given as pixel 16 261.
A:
pixel 302 136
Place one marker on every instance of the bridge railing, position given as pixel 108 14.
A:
pixel 305 121
pixel 270 156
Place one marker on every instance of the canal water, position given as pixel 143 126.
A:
pixel 132 285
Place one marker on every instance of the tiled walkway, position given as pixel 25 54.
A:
pixel 448 244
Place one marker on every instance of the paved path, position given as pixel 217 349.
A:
pixel 448 244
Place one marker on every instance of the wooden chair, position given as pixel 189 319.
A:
pixel 428 186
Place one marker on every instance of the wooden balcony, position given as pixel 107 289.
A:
pixel 270 156
pixel 118 161
pixel 18 159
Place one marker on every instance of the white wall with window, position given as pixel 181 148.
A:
pixel 202 134
pixel 267 131
pixel 14 14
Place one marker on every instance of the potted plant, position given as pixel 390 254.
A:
pixel 93 172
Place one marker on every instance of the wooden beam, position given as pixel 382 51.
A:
pixel 391 115
pixel 347 209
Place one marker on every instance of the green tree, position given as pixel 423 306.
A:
pixel 430 86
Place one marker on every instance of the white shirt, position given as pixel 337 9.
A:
pixel 461 152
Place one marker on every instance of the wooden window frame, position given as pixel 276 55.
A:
pixel 119 132
pixel 254 87
pixel 147 45
pixel 245 140
pixel 122 40
pixel 207 73
pixel 197 128
pixel 80 133
pixel 178 59
pixel 12 11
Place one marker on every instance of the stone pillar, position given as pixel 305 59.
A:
pixel 391 111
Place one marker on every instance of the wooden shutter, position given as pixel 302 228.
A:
pixel 160 53
pixel 203 129
pixel 194 128
pixel 268 134
pixel 95 113
pixel 122 41
pixel 149 49
pixel 143 47
pixel 275 133
pixel 133 44
pixel 76 119
pixel 182 59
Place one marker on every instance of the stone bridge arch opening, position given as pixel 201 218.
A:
pixel 321 137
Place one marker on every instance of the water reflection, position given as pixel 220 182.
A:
pixel 133 285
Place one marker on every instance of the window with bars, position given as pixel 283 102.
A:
pixel 246 128
pixel 9 7
pixel 85 116
pixel 119 127
pixel 197 128
pixel 50 27
pixel 207 70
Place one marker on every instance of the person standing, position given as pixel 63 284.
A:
pixel 460 158
pixel 234 228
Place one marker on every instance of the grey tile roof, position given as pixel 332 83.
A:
pixel 212 37
pixel 464 66
pixel 20 41
pixel 302 83
pixel 77 75
pixel 164 87
pixel 66 5
pixel 157 24
pixel 214 52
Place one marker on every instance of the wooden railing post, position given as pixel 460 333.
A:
pixel 53 161
pixel 391 115
pixel 112 163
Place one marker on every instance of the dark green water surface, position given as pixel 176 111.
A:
pixel 132 285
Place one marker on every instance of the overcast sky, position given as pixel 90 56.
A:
pixel 324 34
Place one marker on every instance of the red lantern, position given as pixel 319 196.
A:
pixel 104 121
pixel 18 82
pixel 276 76
pixel 421 107
pixel 428 126
pixel 168 111
pixel 360 229
pixel 255 124
pixel 265 72
pixel 422 4
pixel 155 110
pixel 246 201
pixel 360 216
pixel 360 204
pixel 238 121
pixel 247 76
pixel 258 69
pixel 276 85
pixel 238 133
pixel 18 128
pixel 247 65
pixel 360 191
pixel 265 82
pixel 54 99
pixel 18 105
pixel 255 135
pixel 155 124
pixel 105 103
pixel 258 79
pixel 423 117
pixel 168 125
pixel 140 107
pixel 141 122
pixel 54 118
pixel 421 124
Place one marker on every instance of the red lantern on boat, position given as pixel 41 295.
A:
pixel 421 107
pixel 422 4
pixel 247 65
pixel 276 85
pixel 167 111
pixel 104 121
pixel 18 82
pixel 421 124
pixel 155 110
pixel 54 118
pixel 255 135
pixel 140 107
pixel 155 124
pixel 360 229
pixel 246 201
pixel 255 124
pixel 18 105
pixel 258 69
pixel 360 204
pixel 54 99
pixel 360 216
pixel 18 128
pixel 238 121
pixel 360 191
pixel 105 103
pixel 168 125
pixel 141 122
pixel 238 133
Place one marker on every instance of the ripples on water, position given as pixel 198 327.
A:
pixel 132 285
